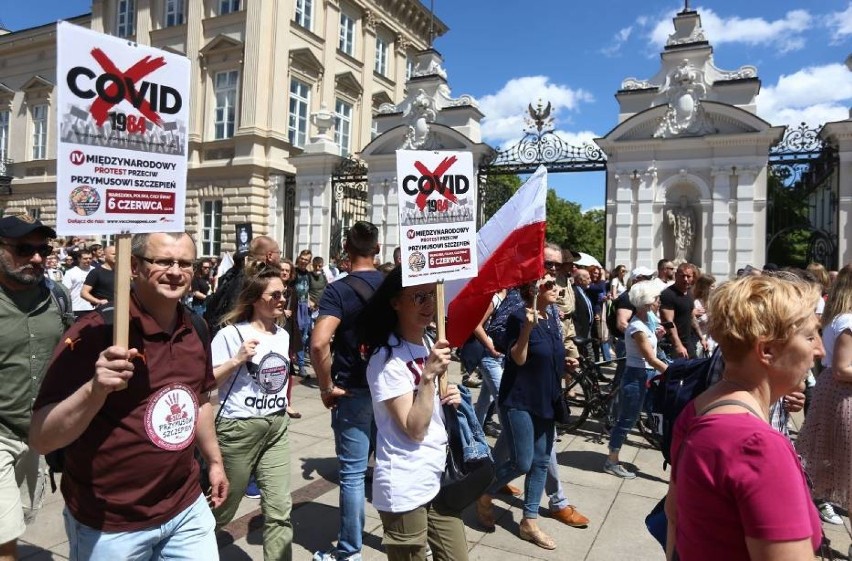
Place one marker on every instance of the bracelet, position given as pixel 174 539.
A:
pixel 327 390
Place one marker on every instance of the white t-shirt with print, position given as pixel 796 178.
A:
pixel 265 392
pixel 407 473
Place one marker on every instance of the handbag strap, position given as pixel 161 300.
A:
pixel 231 387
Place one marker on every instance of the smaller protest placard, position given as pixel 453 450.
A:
pixel 244 238
pixel 437 215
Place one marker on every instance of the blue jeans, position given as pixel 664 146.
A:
pixel 492 372
pixel 631 396
pixel 552 486
pixel 354 429
pixel 529 439
pixel 306 337
pixel 188 536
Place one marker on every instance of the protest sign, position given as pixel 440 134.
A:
pixel 122 118
pixel 122 114
pixel 437 215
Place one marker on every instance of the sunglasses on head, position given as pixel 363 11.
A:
pixel 28 249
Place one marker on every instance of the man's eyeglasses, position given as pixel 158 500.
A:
pixel 28 249
pixel 421 297
pixel 182 264
pixel 275 294
pixel 552 264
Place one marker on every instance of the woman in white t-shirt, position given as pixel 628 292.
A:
pixel 252 368
pixel 411 439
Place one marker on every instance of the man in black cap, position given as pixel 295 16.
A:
pixel 33 316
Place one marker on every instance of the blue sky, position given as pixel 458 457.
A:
pixel 576 54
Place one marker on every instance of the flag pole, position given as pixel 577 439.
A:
pixel 442 329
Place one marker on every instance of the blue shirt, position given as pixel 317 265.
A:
pixel 348 368
pixel 534 386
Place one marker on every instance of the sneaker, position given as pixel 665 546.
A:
pixel 252 491
pixel 618 470
pixel 491 430
pixel 826 512
pixel 333 555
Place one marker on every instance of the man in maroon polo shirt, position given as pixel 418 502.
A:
pixel 129 419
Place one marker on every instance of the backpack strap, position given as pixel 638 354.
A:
pixel 60 299
pixel 724 402
pixel 362 288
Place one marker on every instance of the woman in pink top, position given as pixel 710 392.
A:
pixel 738 491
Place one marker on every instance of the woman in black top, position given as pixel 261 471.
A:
pixel 530 385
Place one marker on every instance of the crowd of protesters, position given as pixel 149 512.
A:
pixel 270 318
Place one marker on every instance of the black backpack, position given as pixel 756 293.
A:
pixel 56 459
pixel 496 328
pixel 682 382
pixel 222 301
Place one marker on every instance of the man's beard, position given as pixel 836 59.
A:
pixel 28 275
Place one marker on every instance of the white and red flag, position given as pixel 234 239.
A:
pixel 510 249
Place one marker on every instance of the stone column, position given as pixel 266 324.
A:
pixel 143 22
pixel 721 244
pixel 194 14
pixel 254 77
pixel 744 232
pixel 704 258
pixel 384 208
pixel 841 134
pixel 647 216
pixel 314 168
pixel 620 219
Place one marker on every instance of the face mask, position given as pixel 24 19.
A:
pixel 653 321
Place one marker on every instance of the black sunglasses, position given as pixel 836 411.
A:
pixel 548 285
pixel 552 264
pixel 276 294
pixel 28 249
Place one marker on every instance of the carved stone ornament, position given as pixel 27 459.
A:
pixel 420 114
pixel 685 115
pixel 371 19
pixel 636 84
pixel 429 67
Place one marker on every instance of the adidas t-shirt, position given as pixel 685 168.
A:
pixel 265 391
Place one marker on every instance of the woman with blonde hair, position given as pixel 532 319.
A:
pixel 252 367
pixel 737 490
pixel 825 441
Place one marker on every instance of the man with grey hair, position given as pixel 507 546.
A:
pixel 32 320
pixel 135 415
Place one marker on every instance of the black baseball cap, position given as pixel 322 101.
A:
pixel 21 225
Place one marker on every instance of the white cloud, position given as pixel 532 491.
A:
pixel 786 34
pixel 506 111
pixel 618 41
pixel 841 24
pixel 814 95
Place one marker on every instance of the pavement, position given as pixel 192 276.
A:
pixel 616 508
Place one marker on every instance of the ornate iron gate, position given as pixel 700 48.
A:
pixel 802 197
pixel 348 200
pixel 540 145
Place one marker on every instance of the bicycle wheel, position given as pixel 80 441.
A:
pixel 577 396
pixel 648 428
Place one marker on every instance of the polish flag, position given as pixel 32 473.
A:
pixel 510 247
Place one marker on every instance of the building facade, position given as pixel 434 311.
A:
pixel 260 70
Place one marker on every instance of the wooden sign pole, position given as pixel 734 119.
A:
pixel 121 321
pixel 442 330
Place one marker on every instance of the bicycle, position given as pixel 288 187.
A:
pixel 585 398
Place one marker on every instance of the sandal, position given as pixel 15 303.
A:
pixel 293 414
pixel 537 537
pixel 485 513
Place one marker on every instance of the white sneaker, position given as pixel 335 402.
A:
pixel 826 512
pixel 333 555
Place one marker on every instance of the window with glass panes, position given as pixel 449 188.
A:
pixel 174 12
pixel 5 118
pixel 343 126
pixel 347 34
pixel 39 131
pixel 381 66
pixel 211 227
pixel 225 87
pixel 125 24
pixel 228 6
pixel 300 101
pixel 304 13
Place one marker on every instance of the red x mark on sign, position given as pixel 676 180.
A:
pixel 442 168
pixel 100 108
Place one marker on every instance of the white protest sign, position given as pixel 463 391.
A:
pixel 437 215
pixel 123 117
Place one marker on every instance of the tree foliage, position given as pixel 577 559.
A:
pixel 567 225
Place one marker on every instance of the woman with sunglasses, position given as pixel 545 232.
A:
pixel 252 367
pixel 641 364
pixel 530 386
pixel 411 439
